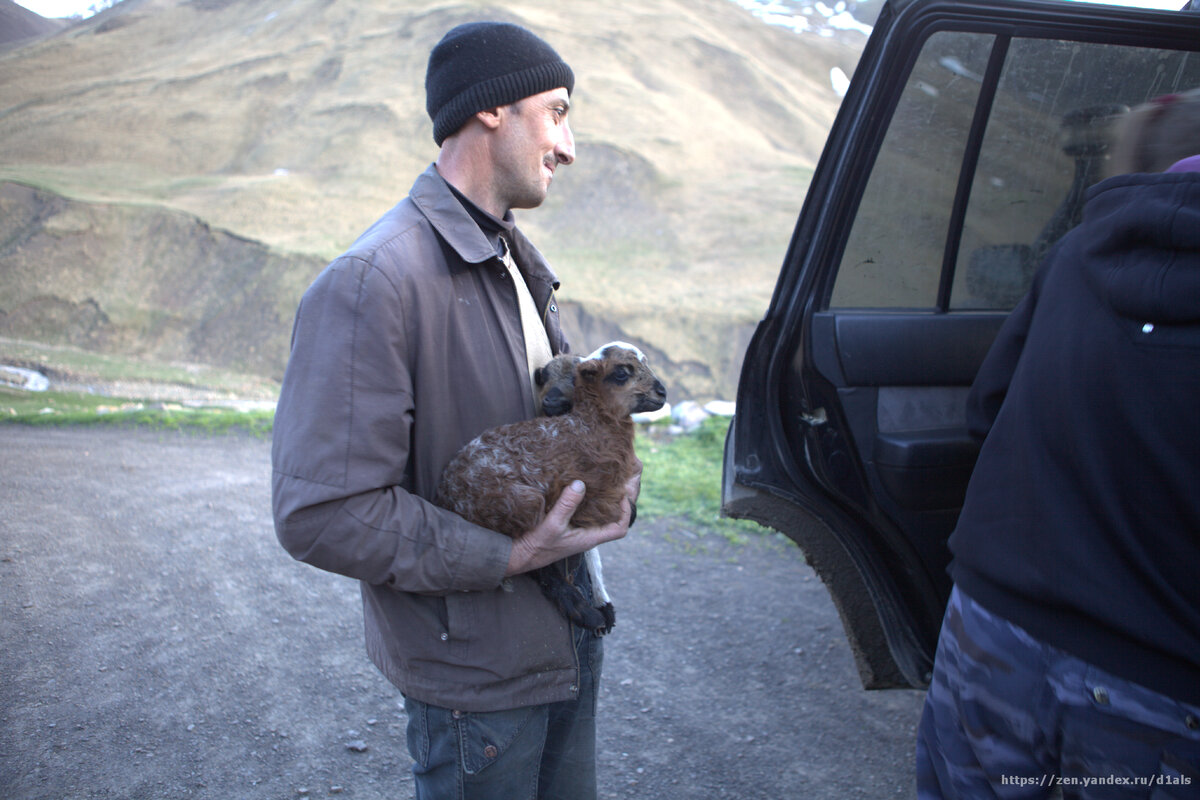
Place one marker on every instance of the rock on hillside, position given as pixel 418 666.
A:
pixel 296 124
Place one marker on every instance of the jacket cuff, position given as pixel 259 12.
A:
pixel 484 559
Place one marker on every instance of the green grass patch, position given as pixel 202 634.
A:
pixel 80 408
pixel 681 479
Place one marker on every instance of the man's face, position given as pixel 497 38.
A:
pixel 535 139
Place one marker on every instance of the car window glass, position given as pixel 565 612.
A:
pixel 1043 145
pixel 894 255
pixel 1047 139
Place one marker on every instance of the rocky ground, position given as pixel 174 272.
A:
pixel 156 642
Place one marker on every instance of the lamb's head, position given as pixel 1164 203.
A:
pixel 556 385
pixel 620 373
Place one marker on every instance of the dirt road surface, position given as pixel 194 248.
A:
pixel 156 642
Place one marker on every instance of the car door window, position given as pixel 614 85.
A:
pixel 1048 138
pixel 893 258
pixel 972 185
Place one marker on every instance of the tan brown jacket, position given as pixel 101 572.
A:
pixel 403 349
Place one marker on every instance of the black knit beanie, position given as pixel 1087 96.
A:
pixel 482 65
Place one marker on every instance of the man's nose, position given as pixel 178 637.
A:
pixel 565 151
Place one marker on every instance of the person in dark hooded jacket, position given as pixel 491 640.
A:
pixel 1069 656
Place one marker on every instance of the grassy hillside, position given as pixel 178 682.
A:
pixel 214 153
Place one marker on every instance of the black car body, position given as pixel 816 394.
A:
pixel 962 151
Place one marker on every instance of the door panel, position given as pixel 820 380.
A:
pixel 910 433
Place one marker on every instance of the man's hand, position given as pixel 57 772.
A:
pixel 554 538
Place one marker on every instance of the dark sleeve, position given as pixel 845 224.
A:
pixel 995 374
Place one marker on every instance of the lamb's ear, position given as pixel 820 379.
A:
pixel 589 370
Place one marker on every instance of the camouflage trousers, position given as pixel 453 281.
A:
pixel 1007 716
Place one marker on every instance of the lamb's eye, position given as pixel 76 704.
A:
pixel 539 376
pixel 621 374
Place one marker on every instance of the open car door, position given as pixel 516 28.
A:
pixel 962 151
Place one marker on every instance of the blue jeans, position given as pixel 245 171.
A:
pixel 545 752
pixel 1009 716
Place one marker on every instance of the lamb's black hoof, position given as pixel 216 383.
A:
pixel 586 615
pixel 610 619
pixel 574 606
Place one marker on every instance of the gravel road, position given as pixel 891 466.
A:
pixel 156 642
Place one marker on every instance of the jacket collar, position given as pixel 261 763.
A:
pixel 431 194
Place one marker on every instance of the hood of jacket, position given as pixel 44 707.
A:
pixel 1143 245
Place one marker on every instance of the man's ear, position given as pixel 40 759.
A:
pixel 490 117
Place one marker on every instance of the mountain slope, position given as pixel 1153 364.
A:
pixel 18 24
pixel 297 124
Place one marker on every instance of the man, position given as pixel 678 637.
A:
pixel 419 337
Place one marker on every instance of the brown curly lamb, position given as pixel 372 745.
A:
pixel 508 477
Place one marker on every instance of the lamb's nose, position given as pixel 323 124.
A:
pixel 555 403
